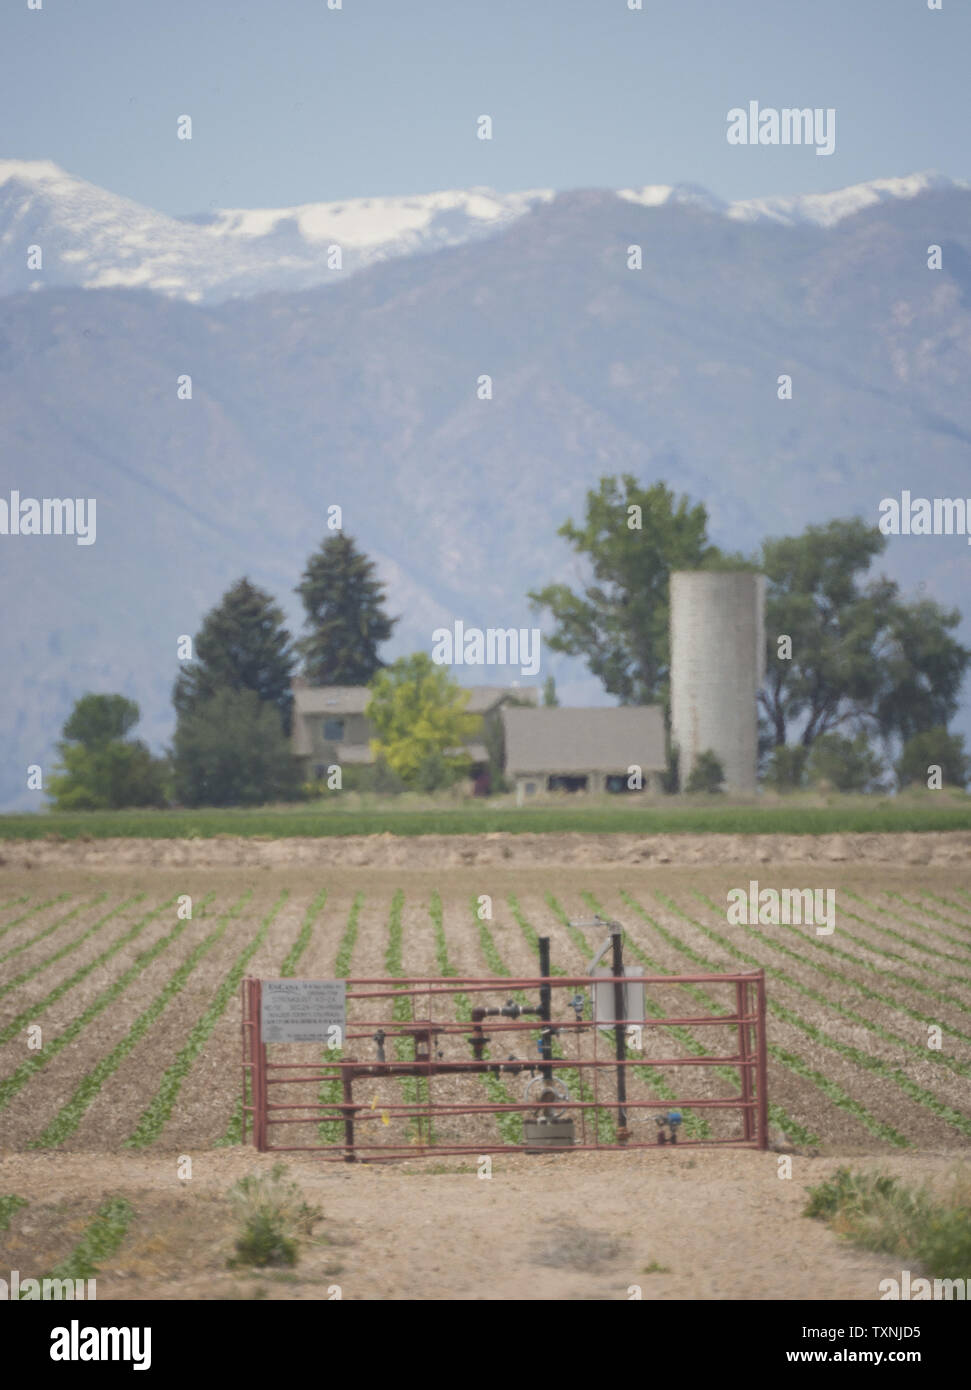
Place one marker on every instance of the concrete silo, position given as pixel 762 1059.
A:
pixel 717 667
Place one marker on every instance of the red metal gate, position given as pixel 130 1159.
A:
pixel 431 1023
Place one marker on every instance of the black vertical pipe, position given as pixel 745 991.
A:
pixel 546 1041
pixel 620 1030
pixel 347 1087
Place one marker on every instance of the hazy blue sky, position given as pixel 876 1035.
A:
pixel 292 102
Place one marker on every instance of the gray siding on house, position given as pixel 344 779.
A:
pixel 543 743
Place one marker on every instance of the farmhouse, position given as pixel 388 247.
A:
pixel 330 726
pixel 597 750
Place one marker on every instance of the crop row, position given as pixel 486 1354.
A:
pixel 67 1119
pixel 234 1130
pixel 15 1082
pixel 953 1117
pixel 844 981
pixel 32 912
pixel 413 1088
pixel 777 1115
pixel 54 926
pixel 331 1090
pixel 73 945
pixel 835 1093
pixel 157 1112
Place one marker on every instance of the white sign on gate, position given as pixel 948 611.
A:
pixel 303 1010
pixel 603 999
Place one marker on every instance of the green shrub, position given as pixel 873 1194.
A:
pixel 880 1213
pixel 707 775
pixel 273 1215
pixel 934 748
pixel 786 768
pixel 845 764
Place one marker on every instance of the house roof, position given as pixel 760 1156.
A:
pixel 565 740
pixel 330 699
pixel 353 699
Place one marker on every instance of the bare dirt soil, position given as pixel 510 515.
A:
pixel 712 1225
pixel 510 850
pixel 850 1068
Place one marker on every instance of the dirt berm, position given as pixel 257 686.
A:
pixel 512 850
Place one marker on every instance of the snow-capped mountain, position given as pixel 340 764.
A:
pixel 94 239
pixel 363 392
pixel 86 237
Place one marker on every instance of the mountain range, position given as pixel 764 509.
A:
pixel 362 388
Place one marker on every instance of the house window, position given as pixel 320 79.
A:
pixel 617 782
pixel 333 730
pixel 566 784
pixel 530 788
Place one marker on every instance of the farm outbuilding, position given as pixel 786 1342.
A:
pixel 717 667
pixel 595 750
pixel 330 724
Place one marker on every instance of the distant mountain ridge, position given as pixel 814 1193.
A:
pixel 94 239
pixel 364 393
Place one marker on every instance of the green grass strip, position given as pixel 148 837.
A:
pixel 835 1092
pixel 70 1115
pixel 32 911
pixel 10 1204
pixel 156 1114
pixel 30 1014
pixel 15 902
pixel 55 926
pixel 331 816
pixel 71 946
pixel 100 1240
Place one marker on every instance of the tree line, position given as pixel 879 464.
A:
pixel 864 686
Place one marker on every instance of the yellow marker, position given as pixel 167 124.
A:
pixel 384 1117
pixel 374 1103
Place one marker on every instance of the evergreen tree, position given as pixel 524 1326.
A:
pixel 231 751
pixel 242 645
pixel 346 620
